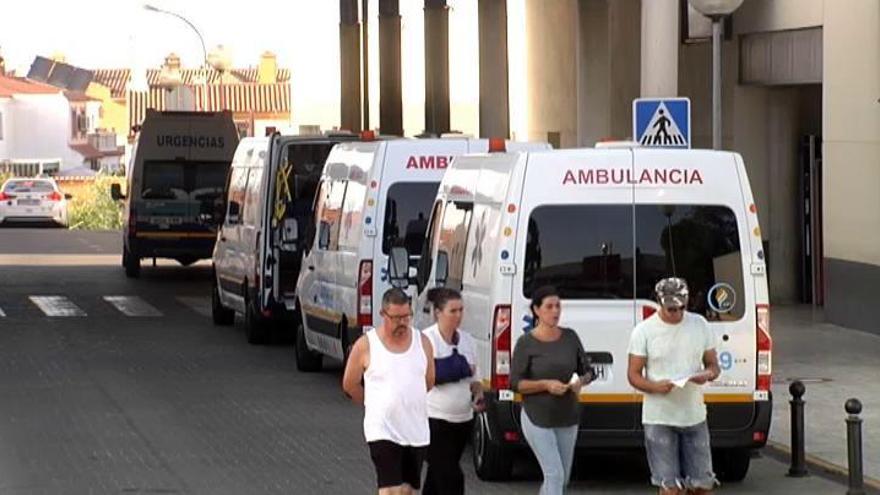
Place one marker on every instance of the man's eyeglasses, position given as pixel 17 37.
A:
pixel 403 317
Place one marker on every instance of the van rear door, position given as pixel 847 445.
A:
pixel 691 222
pixel 576 233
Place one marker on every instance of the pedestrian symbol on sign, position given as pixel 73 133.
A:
pixel 662 123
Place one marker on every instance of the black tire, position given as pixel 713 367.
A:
pixel 221 315
pixel 492 462
pixel 131 263
pixel 307 360
pixel 255 328
pixel 731 464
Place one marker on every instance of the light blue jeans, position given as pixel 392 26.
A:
pixel 554 448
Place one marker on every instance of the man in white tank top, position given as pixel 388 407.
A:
pixel 389 371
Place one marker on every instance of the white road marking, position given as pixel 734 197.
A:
pixel 57 306
pixel 201 305
pixel 132 306
pixel 2 314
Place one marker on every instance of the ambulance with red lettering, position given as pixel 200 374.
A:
pixel 603 226
pixel 373 196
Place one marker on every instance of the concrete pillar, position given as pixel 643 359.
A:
pixel 390 91
pixel 608 68
pixel 350 65
pixel 551 47
pixel 660 40
pixel 436 66
pixel 494 99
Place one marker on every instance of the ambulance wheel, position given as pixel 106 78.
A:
pixel 255 329
pixel 492 462
pixel 732 464
pixel 221 315
pixel 132 264
pixel 307 360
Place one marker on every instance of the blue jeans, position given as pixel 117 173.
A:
pixel 554 448
pixel 680 457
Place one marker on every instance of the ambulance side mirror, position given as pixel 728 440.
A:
pixel 398 267
pixel 442 273
pixel 116 192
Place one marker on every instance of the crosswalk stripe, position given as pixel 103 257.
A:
pixel 201 305
pixel 132 306
pixel 57 306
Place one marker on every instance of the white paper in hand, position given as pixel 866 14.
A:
pixel 574 379
pixel 681 382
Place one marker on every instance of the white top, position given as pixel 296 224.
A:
pixel 451 401
pixel 674 352
pixel 395 393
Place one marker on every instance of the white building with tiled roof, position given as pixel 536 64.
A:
pixel 41 123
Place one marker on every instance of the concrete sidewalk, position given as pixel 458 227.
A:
pixel 835 364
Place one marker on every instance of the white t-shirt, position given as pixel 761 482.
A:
pixel 451 401
pixel 673 352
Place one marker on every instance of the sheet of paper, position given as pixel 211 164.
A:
pixel 681 382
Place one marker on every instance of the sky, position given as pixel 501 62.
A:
pixel 303 33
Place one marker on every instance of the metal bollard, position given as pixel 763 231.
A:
pixel 798 467
pixel 854 447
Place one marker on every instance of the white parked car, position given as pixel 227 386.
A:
pixel 25 200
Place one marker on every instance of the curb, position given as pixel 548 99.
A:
pixel 821 467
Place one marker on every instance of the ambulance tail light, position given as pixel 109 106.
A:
pixel 497 145
pixel 764 348
pixel 365 294
pixel 501 348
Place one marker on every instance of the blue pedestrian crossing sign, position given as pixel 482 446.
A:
pixel 662 122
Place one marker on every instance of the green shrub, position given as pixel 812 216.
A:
pixel 92 208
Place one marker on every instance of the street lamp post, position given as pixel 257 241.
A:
pixel 716 10
pixel 157 10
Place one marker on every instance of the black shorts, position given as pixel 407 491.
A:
pixel 397 464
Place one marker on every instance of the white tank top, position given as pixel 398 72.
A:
pixel 395 394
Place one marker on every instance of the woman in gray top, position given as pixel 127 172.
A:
pixel 549 368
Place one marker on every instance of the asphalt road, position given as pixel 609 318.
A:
pixel 129 388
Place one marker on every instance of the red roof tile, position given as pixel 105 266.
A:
pixel 117 79
pixel 240 98
pixel 89 152
pixel 10 86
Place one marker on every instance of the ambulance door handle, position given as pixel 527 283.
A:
pixel 426 310
pixel 222 238
pixel 311 268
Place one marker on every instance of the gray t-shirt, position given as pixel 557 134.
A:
pixel 557 360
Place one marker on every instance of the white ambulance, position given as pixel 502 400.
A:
pixel 603 226
pixel 373 196
pixel 258 254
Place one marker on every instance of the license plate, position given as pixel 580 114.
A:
pixel 28 202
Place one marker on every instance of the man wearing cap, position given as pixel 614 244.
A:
pixel 671 354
